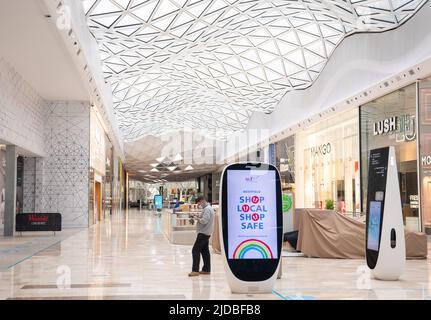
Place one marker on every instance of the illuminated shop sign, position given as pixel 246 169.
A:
pixel 426 160
pixel 385 126
pixel 414 201
pixel 321 150
pixel 403 126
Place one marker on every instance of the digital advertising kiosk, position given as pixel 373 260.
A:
pixel 251 226
pixel 158 202
pixel 385 241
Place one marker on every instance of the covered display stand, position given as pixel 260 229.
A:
pixel 328 234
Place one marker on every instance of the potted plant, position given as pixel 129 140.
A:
pixel 329 204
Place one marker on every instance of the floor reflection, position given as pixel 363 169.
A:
pixel 130 257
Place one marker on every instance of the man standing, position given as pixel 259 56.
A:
pixel 205 227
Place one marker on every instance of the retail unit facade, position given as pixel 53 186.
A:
pixel 424 162
pixel 101 176
pixel 326 164
pixel 392 121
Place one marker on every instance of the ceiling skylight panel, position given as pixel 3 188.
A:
pixel 233 56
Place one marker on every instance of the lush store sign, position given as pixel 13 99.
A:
pixel 386 126
pixel 403 126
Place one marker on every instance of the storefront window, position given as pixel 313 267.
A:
pixel 2 183
pixel 425 152
pixel 327 164
pixel 391 121
pixel 285 161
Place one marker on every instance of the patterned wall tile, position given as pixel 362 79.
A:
pixel 65 169
pixel 21 111
pixel 57 131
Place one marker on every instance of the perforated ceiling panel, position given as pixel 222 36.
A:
pixel 208 64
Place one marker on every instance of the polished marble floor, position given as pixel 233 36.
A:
pixel 129 257
pixel 24 246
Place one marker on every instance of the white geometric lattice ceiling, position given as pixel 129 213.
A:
pixel 208 64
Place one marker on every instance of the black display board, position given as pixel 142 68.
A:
pixel 38 222
pixel 377 178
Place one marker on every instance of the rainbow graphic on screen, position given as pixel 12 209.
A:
pixel 253 245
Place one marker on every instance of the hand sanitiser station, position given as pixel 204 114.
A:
pixel 385 241
pixel 251 226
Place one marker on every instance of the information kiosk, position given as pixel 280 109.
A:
pixel 385 241
pixel 251 226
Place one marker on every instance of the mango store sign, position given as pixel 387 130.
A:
pixel 321 150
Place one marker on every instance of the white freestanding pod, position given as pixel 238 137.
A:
pixel 385 240
pixel 251 226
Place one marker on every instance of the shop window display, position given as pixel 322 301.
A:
pixel 2 183
pixel 285 161
pixel 425 152
pixel 327 164
pixel 391 121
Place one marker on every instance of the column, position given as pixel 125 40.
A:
pixel 127 192
pixel 10 191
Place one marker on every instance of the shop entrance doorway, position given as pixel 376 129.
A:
pixel 2 185
pixel 399 108
pixel 427 207
pixel 424 124
pixel 98 201
pixel 408 177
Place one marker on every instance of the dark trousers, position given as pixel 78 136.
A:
pixel 201 247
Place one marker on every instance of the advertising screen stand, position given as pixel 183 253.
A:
pixel 251 223
pixel 385 241
pixel 158 203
